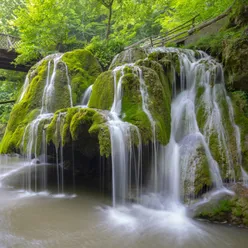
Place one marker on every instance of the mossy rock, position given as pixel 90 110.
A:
pixel 235 56
pixel 102 95
pixel 128 56
pixel 223 145
pixel 226 208
pixel 159 100
pixel 240 105
pixel 85 127
pixel 197 178
pixel 82 69
pixel 25 111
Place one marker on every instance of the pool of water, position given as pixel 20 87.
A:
pixel 85 218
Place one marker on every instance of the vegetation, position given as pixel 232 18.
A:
pixel 47 26
pixel 10 84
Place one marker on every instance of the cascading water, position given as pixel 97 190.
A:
pixel 176 164
pixel 178 160
pixel 31 139
pixel 86 96
pixel 198 86
pixel 202 128
pixel 25 87
pixel 121 145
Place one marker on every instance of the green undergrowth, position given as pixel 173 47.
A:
pixel 240 104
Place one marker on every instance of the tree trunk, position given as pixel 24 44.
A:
pixel 109 23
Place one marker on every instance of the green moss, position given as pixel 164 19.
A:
pixel 102 96
pixel 240 110
pixel 203 177
pixel 83 70
pixel 128 56
pixel 104 141
pixel 85 127
pixel 198 177
pixel 159 105
pixel 232 210
pixel 216 211
pixel 132 111
pixel 24 111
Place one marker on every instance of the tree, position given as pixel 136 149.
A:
pixel 7 15
pixel 45 26
pixel 109 5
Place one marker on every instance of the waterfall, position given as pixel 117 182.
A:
pixel 204 148
pixel 177 163
pixel 33 142
pixel 49 90
pixel 145 107
pixel 176 167
pixel 86 96
pixel 59 153
pixel 25 87
pixel 121 146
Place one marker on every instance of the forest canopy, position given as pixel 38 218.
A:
pixel 48 26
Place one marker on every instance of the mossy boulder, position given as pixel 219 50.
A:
pixel 240 104
pixel 132 104
pixel 227 208
pixel 78 68
pixel 102 95
pixel 83 70
pixel 84 127
pixel 196 177
pixel 128 56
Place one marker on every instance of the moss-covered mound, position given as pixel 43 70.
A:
pixel 83 70
pixel 128 56
pixel 77 69
pixel 132 110
pixel 196 176
pixel 84 127
pixel 227 209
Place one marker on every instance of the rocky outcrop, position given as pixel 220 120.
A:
pixel 227 209
pixel 78 69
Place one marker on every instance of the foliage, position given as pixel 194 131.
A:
pixel 47 26
pixel 105 51
pixel 7 15
pixel 10 84
pixel 184 10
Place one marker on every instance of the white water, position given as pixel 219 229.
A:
pixel 177 163
pixel 145 107
pixel 121 146
pixel 161 221
pixel 173 165
pixel 86 96
pixel 35 152
pixel 49 90
pixel 25 87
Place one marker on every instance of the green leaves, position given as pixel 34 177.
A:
pixel 47 26
pixel 10 84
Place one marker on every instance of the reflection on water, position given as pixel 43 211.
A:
pixel 85 219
